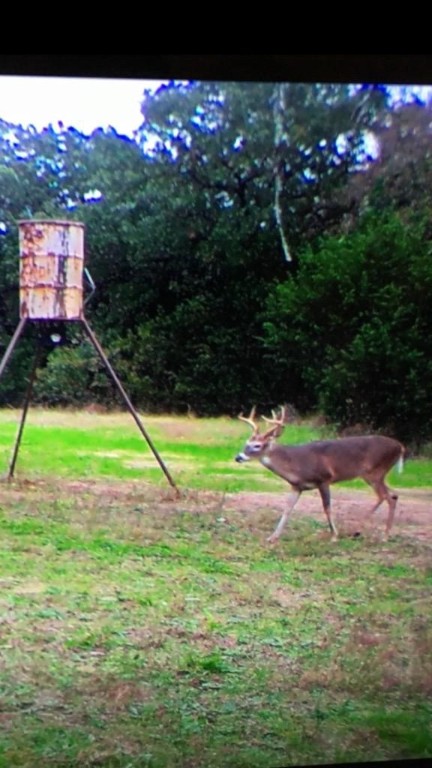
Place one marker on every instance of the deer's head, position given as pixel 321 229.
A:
pixel 258 443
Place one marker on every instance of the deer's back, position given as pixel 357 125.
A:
pixel 329 461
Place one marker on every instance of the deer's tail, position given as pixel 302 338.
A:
pixel 401 460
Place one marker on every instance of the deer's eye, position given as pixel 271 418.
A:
pixel 254 446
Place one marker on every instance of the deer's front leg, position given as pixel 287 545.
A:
pixel 292 500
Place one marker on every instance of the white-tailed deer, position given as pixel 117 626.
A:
pixel 321 463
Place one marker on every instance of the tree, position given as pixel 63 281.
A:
pixel 212 247
pixel 185 230
pixel 400 176
pixel 351 333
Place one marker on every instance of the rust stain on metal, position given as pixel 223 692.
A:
pixel 51 269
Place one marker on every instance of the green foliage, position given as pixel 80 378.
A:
pixel 13 383
pixel 353 328
pixel 72 376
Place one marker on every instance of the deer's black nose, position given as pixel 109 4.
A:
pixel 241 457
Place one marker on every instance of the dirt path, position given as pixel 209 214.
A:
pixel 413 514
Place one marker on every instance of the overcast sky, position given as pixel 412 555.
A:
pixel 85 103
pixel 81 102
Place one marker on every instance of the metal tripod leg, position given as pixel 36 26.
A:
pixel 128 403
pixel 24 413
pixel 18 331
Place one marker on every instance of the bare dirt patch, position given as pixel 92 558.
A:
pixel 413 517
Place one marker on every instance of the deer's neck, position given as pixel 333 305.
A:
pixel 281 460
pixel 266 457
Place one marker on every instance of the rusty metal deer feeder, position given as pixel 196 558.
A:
pixel 51 289
pixel 51 269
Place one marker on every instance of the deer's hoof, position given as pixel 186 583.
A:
pixel 272 539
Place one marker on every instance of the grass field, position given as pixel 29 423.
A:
pixel 198 452
pixel 142 629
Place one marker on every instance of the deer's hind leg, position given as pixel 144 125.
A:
pixel 384 493
pixel 324 490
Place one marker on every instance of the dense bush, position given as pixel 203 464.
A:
pixel 352 332
pixel 73 377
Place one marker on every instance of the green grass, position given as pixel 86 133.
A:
pixel 139 629
pixel 199 453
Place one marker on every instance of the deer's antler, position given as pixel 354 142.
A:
pixel 250 419
pixel 278 423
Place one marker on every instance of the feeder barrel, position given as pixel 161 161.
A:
pixel 51 269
